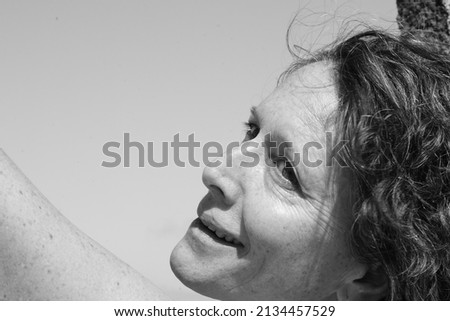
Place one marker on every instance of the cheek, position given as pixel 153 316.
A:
pixel 273 228
pixel 295 240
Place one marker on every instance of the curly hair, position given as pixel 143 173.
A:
pixel 394 112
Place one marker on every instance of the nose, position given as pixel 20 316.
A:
pixel 219 185
pixel 222 184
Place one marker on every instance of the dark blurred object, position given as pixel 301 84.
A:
pixel 426 18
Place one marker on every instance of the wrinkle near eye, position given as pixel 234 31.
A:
pixel 317 209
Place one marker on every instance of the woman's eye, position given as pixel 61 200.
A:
pixel 287 171
pixel 252 130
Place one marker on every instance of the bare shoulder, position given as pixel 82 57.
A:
pixel 43 256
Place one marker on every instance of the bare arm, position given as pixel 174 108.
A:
pixel 45 257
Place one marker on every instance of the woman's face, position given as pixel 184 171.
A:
pixel 280 233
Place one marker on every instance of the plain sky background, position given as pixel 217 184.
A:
pixel 77 74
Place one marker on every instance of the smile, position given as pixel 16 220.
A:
pixel 219 233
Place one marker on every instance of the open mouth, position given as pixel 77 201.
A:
pixel 216 233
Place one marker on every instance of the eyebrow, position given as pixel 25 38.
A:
pixel 254 113
pixel 274 134
pixel 282 141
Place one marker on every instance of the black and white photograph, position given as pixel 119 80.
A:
pixel 197 150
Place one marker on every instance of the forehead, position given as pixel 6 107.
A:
pixel 302 103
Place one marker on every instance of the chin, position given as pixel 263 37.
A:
pixel 199 277
pixel 208 264
pixel 186 269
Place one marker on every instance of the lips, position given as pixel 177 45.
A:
pixel 219 232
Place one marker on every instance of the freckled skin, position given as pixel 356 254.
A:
pixel 44 257
pixel 295 247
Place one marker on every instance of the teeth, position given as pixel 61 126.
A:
pixel 220 234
